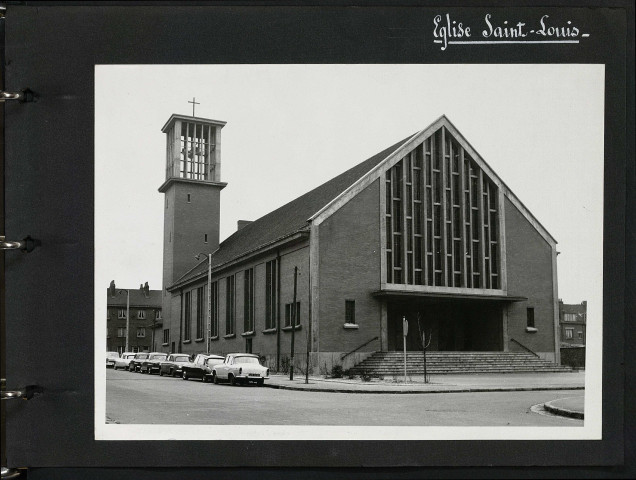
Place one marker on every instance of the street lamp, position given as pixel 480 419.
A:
pixel 209 321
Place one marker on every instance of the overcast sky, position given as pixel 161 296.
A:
pixel 292 127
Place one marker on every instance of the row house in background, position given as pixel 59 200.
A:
pixel 572 322
pixel 145 320
pixel 424 230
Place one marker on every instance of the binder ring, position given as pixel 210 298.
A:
pixel 10 95
pixel 9 245
pixel 26 393
pixel 12 394
pixel 26 245
pixel 8 473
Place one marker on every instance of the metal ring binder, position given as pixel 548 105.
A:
pixel 26 245
pixel 26 393
pixel 8 473
pixel 25 95
pixel 10 96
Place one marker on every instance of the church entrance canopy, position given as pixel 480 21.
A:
pixel 447 322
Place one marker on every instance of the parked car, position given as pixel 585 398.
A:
pixel 173 363
pixel 151 364
pixel 137 360
pixel 110 358
pixel 239 369
pixel 124 360
pixel 201 367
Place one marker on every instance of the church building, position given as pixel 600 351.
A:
pixel 424 231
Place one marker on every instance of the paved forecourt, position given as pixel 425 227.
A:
pixel 134 398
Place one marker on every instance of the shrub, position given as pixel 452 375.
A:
pixel 365 376
pixel 349 374
pixel 336 371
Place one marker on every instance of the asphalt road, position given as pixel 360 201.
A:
pixel 134 398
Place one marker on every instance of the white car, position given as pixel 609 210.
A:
pixel 110 358
pixel 239 369
pixel 124 360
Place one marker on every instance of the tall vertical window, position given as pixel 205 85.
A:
pixel 214 322
pixel 166 336
pixel 121 332
pixel 141 314
pixel 291 312
pixel 201 312
pixel 441 218
pixel 248 302
pixel 187 315
pixel 270 294
pixel 141 332
pixel 121 313
pixel 197 144
pixel 530 317
pixel 230 305
pixel 350 311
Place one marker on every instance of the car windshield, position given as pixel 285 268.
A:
pixel 112 355
pixel 181 359
pixel 132 355
pixel 158 357
pixel 214 361
pixel 246 360
pixel 142 355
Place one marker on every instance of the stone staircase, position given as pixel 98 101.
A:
pixel 392 363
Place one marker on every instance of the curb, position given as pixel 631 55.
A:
pixel 460 390
pixel 564 412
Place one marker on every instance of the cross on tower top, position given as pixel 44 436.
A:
pixel 194 103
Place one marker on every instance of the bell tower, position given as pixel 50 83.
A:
pixel 192 191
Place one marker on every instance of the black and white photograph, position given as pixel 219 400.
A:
pixel 333 252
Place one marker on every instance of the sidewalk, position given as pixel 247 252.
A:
pixel 513 382
pixel 572 407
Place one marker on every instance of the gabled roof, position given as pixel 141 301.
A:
pixel 295 217
pixel 288 220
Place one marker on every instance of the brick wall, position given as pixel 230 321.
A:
pixel 349 269
pixel 529 269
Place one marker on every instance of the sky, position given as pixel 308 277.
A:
pixel 292 127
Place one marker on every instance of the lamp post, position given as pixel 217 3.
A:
pixel 208 330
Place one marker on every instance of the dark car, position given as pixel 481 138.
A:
pixel 136 362
pixel 151 364
pixel 173 363
pixel 201 367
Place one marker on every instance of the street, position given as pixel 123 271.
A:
pixel 134 398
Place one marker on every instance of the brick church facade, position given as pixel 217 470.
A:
pixel 423 231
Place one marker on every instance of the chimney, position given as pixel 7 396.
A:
pixel 242 223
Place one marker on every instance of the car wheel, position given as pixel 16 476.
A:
pixel 160 373
pixel 173 372
pixel 185 375
pixel 232 380
pixel 215 379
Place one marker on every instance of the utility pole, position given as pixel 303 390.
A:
pixel 405 332
pixel 294 316
pixel 127 318
pixel 209 329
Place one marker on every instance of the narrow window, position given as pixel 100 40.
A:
pixel 166 336
pixel 189 198
pixel 291 312
pixel 569 332
pixel 141 332
pixel 141 314
pixel 205 238
pixel 214 322
pixel 248 345
pixel 248 302
pixel 121 313
pixel 350 311
pixel 200 312
pixel 187 316
pixel 270 294
pixel 229 305
pixel 530 317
